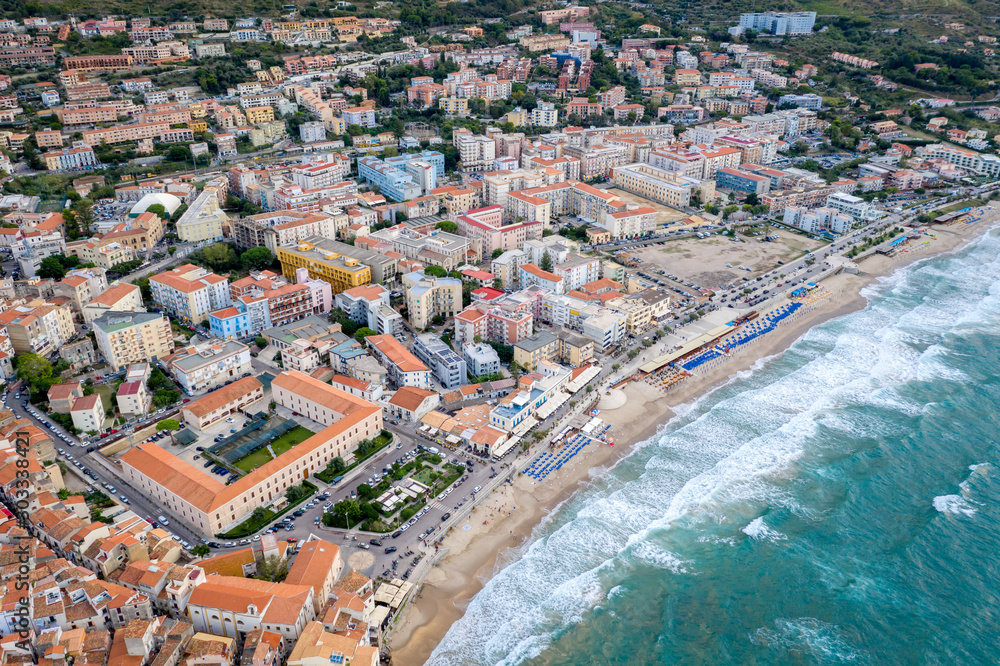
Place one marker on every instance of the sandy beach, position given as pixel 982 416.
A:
pixel 491 537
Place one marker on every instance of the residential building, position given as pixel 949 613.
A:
pixel 410 404
pixel 480 359
pixel 404 368
pixel 429 297
pixel 449 368
pixel 133 399
pixel 88 413
pixel 190 292
pixel 779 23
pixel 124 338
pixel 122 297
pixel 208 364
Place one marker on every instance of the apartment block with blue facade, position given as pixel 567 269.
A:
pixel 403 177
pixel 741 181
pixel 432 157
pixel 392 182
pixel 244 319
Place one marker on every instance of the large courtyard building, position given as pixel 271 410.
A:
pixel 210 507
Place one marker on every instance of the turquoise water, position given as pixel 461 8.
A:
pixel 840 503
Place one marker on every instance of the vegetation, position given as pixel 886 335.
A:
pixel 272 568
pixel 164 391
pixel 366 449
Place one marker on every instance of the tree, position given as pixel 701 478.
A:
pixel 447 225
pixel 546 263
pixel 336 466
pixel 261 341
pixel 171 250
pixel 201 550
pixel 752 199
pixel 169 425
pixel 436 271
pixel 496 253
pixel 347 509
pixel 363 333
pixel 34 369
pixel 51 268
pixel 220 256
pixel 159 211
pixel 257 258
pixel 272 568
pixel 296 494
pixel 84 212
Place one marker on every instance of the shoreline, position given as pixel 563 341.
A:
pixel 477 548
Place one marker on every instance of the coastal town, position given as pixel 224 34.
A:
pixel 294 310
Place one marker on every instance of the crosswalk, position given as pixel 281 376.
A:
pixel 437 505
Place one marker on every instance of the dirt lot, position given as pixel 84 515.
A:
pixel 665 215
pixel 703 261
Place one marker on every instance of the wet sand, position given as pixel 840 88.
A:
pixel 636 414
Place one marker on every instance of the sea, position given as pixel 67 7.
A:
pixel 838 503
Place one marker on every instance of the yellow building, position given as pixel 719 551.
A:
pixel 454 106
pixel 335 125
pixel 567 348
pixel 342 272
pixel 198 126
pixel 259 114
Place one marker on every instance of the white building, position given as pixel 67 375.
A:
pixel 209 364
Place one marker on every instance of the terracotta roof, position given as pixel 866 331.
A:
pixel 410 398
pixel 397 354
pixel 223 396
pixel 86 403
pixel 313 564
pixel 114 295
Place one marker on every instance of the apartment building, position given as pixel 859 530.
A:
pixel 632 222
pixel 779 23
pixel 88 413
pixel 362 304
pixel 476 153
pixel 577 270
pixel 437 248
pixel 133 399
pixel 190 292
pixel 404 368
pixel 360 115
pixel 124 338
pixel 494 234
pixel 122 297
pixel 565 347
pixel 208 364
pixel 209 507
pixel 447 366
pixel 532 275
pixel 38 327
pixel 429 297
pixel 79 157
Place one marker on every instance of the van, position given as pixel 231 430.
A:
pixel 434 450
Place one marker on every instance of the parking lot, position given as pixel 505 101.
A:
pixel 715 261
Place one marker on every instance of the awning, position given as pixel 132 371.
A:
pixel 506 446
